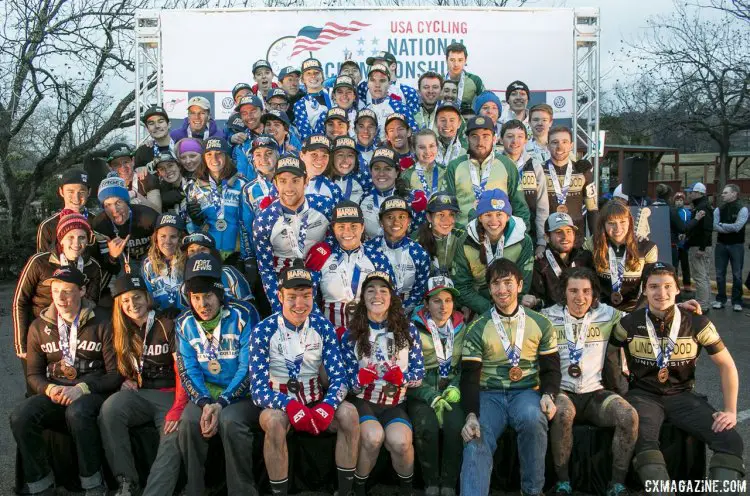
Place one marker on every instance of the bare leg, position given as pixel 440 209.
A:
pixel 398 441
pixel 275 425
pixel 346 425
pixel 371 438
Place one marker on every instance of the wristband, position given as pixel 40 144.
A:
pixel 49 388
pixel 84 387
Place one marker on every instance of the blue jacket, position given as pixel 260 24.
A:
pixel 242 155
pixel 322 185
pixel 236 287
pixel 270 374
pixel 182 131
pixel 164 290
pixel 237 321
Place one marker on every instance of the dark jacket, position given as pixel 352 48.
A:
pixel 140 226
pixel 95 359
pixel 545 284
pixel 699 232
pixel 182 131
pixel 33 293
pixel 158 363
pixel 676 224
pixel 46 235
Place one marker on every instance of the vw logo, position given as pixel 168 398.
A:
pixel 559 102
pixel 227 102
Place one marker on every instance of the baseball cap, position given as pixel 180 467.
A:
pixel 265 141
pixel 249 100
pixel 239 87
pixel 388 57
pixel 377 275
pixel 152 111
pixel 698 187
pixel 276 92
pixel 291 164
pixel 479 122
pixel 312 64
pixel 366 114
pixel 494 200
pixel 215 144
pixel 74 176
pixel 198 238
pixel 396 117
pixel 385 155
pixel 128 282
pixel 657 266
pixel 558 220
pixel 235 124
pixel 445 105
pixel 199 101
pixel 259 64
pixel 440 283
pixel 203 274
pixel 164 157
pixel 295 276
pixel 347 211
pixel 344 82
pixel 118 150
pixel 392 204
pixel 442 200
pixel 516 85
pixel 288 70
pixel 169 220
pixel 316 142
pixel 379 68
pixel 337 113
pixel 276 115
pixel 69 274
pixel 344 143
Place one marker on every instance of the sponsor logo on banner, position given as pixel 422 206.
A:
pixel 560 101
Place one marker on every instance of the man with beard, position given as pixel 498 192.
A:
pixel 250 110
pixel 430 84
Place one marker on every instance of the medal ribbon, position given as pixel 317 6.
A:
pixel 444 355
pixel 553 262
pixel 293 347
pixel 68 339
pixel 663 355
pixel 149 324
pixel 171 148
pixel 449 153
pixel 216 198
pixel 299 231
pixel 64 261
pixel 512 351
pixel 383 358
pixel 479 184
pixel 560 192
pixel 351 284
pixel 616 269
pixel 576 345
pixel 211 347
pixel 420 173
pixel 499 250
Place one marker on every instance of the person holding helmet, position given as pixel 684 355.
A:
pixel 141 191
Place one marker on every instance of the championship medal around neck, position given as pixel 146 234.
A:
pixel 69 371
pixel 515 374
pixel 293 386
pixel 574 370
pixel 390 390
pixel 663 375
pixel 214 366
pixel 616 298
pixel 221 225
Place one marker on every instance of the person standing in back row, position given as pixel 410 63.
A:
pixel 729 222
pixel 699 239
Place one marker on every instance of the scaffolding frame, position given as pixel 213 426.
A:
pixel 586 89
pixel 148 71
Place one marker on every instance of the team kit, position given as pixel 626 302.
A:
pixel 415 269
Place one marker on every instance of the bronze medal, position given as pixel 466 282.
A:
pixel 214 367
pixel 69 371
pixel 574 370
pixel 563 209
pixel 390 390
pixel 140 380
pixel 293 386
pixel 443 383
pixel 221 225
pixel 663 375
pixel 515 374
pixel 349 309
pixel 616 298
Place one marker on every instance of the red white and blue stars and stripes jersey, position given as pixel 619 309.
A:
pixel 351 114
pixel 255 191
pixel 321 185
pixel 408 96
pixel 337 275
pixel 370 205
pixel 365 155
pixel 410 264
pixel 238 319
pixel 276 234
pixel 308 110
pixel 383 107
pixel 270 374
pixel 355 185
pixel 409 360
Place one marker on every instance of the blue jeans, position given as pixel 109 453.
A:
pixel 723 255
pixel 520 409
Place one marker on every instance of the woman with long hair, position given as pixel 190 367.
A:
pixel 383 357
pixel 619 257
pixel 163 266
pixel 217 194
pixel 189 153
pixel 439 236
pixel 346 174
pixel 144 345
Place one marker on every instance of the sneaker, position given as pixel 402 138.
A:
pixel 562 488
pixel 717 305
pixel 616 489
pixel 127 487
pixel 99 490
pixel 737 307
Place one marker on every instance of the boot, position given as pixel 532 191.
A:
pixel 651 467
pixel 728 470
pixel 127 487
pixel 447 491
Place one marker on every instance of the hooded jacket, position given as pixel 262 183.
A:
pixel 699 232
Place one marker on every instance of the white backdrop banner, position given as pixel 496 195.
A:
pixel 208 52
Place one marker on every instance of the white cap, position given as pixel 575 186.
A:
pixel 199 101
pixel 619 194
pixel 698 188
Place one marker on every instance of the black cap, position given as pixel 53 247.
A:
pixel 316 142
pixel 393 203
pixel 312 64
pixel 203 274
pixel 296 276
pixel 236 124
pixel 249 100
pixel 380 68
pixel 198 238
pixel 74 176
pixel 260 64
pixel 377 275
pixel 273 92
pixel 265 141
pixel 169 220
pixel 119 150
pixel 516 85
pixel 366 114
pixel 290 163
pixel 383 154
pixel 396 117
pixel 442 200
pixel 344 143
pixel 69 274
pixel 152 111
pixel 447 105
pixel 658 266
pixel 288 70
pixel 337 113
pixel 344 82
pixel 276 115
pixel 239 87
pixel 480 122
pixel 215 144
pixel 164 157
pixel 347 211
pixel 128 282
pixel 387 56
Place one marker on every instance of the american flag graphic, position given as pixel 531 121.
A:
pixel 311 38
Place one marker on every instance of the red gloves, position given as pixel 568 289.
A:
pixel 394 376
pixel 322 416
pixel 419 201
pixel 266 202
pixel 317 256
pixel 366 376
pixel 405 162
pixel 301 417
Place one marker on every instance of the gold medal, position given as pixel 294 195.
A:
pixel 563 209
pixel 616 298
pixel 214 367
pixel 221 225
pixel 515 374
pixel 69 371
pixel 390 390
pixel 663 375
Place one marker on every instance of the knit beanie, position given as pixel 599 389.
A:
pixel 484 97
pixel 70 220
pixel 189 145
pixel 113 185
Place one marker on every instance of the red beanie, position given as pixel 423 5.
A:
pixel 69 220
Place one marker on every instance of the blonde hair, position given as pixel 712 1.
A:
pixel 159 262
pixel 128 344
pixel 614 210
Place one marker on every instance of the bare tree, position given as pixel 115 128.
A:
pixel 691 74
pixel 738 8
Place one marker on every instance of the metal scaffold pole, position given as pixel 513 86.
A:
pixel 148 77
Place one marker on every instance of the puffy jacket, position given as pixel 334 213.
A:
pixel 700 232
pixel 184 131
